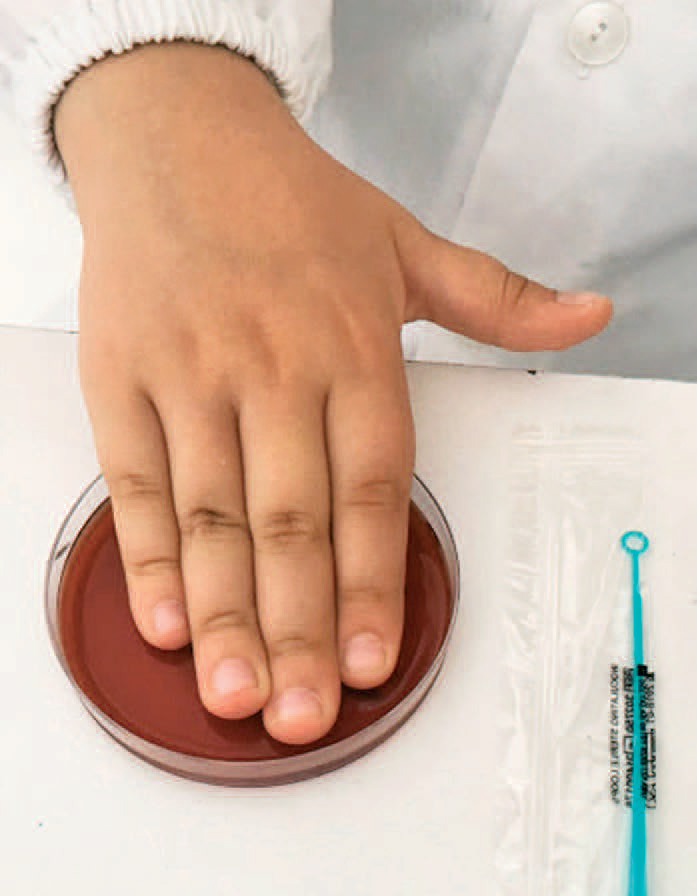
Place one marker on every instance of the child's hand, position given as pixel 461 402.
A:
pixel 241 301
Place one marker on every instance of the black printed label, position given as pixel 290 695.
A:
pixel 621 740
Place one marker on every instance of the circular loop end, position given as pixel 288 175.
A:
pixel 635 542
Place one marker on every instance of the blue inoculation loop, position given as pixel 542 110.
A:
pixel 635 543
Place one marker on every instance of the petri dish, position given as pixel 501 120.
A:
pixel 146 698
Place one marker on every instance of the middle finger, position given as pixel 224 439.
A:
pixel 288 505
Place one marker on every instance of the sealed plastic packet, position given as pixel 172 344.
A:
pixel 565 799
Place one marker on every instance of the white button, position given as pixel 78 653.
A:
pixel 598 33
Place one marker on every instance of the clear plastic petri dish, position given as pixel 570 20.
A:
pixel 146 698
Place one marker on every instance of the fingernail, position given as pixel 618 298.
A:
pixel 233 675
pixel 365 654
pixel 579 298
pixel 298 703
pixel 169 618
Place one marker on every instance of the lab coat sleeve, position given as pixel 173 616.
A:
pixel 45 43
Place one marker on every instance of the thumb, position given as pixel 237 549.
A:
pixel 471 293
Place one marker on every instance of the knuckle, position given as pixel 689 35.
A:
pixel 379 493
pixel 186 345
pixel 281 530
pixel 212 523
pixel 512 293
pixel 365 596
pixel 146 567
pixel 134 486
pixel 226 620
pixel 258 357
pixel 294 644
pixel 513 288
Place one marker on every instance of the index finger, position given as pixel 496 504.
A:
pixel 371 450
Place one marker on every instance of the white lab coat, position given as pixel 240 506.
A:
pixel 479 115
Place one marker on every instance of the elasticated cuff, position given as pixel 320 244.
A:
pixel 299 65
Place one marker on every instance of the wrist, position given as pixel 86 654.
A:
pixel 130 123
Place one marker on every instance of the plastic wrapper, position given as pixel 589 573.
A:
pixel 565 795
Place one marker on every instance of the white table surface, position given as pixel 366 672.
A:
pixel 79 815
